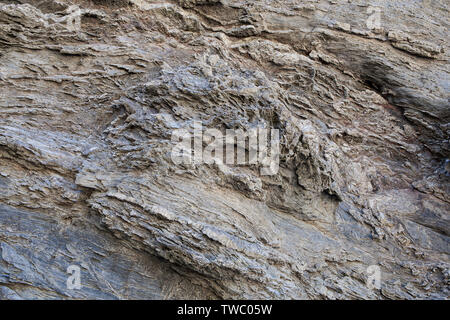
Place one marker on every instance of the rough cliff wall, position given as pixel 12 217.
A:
pixel 92 91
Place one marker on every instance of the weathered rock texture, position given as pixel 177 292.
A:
pixel 86 117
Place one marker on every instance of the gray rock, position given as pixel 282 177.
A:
pixel 90 95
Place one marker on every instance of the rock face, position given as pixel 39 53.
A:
pixel 91 93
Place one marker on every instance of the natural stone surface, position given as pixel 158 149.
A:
pixel 91 91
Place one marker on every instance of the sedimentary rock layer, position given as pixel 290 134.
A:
pixel 92 91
